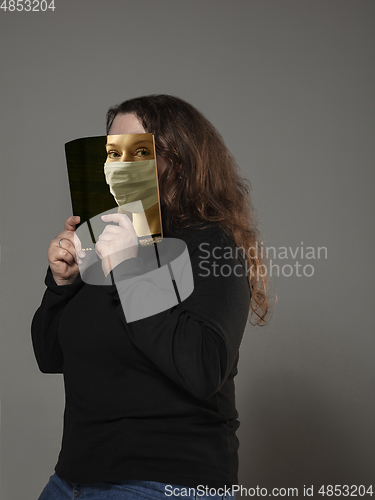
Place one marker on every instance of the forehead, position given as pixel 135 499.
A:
pixel 126 124
pixel 130 141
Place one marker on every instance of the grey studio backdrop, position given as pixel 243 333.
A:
pixel 290 86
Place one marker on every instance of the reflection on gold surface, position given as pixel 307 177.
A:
pixel 134 148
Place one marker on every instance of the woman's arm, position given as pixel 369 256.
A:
pixel 195 343
pixel 62 281
pixel 45 323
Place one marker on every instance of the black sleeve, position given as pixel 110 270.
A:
pixel 44 326
pixel 195 343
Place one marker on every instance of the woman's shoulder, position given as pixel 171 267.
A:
pixel 194 229
pixel 204 234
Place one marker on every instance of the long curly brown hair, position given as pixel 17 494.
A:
pixel 203 182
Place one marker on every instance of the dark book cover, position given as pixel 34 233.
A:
pixel 92 196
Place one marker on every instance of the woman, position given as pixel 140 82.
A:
pixel 150 404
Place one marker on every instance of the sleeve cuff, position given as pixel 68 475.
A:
pixel 61 289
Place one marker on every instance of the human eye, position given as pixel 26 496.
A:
pixel 142 152
pixel 112 155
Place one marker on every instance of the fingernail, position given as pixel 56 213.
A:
pixel 82 254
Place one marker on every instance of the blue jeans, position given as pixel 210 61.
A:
pixel 58 489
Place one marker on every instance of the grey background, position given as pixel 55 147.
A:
pixel 290 86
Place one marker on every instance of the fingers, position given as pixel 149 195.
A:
pixel 104 248
pixel 68 239
pixel 64 255
pixel 65 243
pixel 106 236
pixel 74 248
pixel 121 219
pixel 113 230
pixel 63 251
pixel 78 246
pixel 101 249
pixel 71 243
pixel 62 248
pixel 71 222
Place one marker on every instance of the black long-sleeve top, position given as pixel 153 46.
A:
pixel 152 399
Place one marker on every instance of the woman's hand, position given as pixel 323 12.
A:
pixel 116 243
pixel 64 252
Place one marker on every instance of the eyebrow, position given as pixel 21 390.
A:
pixel 144 141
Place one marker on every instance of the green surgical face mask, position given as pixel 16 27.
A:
pixel 131 181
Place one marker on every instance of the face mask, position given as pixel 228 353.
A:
pixel 131 181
